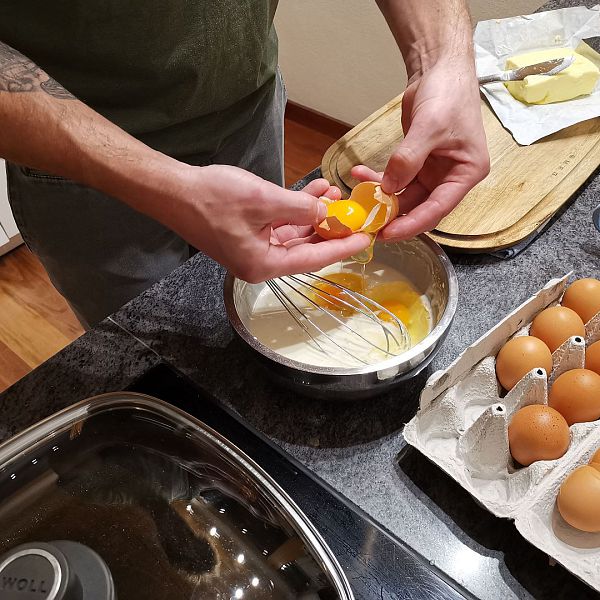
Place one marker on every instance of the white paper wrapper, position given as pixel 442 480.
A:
pixel 462 426
pixel 499 39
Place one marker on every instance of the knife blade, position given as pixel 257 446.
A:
pixel 548 67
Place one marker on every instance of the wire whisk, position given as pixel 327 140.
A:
pixel 304 294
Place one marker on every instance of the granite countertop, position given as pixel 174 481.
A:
pixel 356 447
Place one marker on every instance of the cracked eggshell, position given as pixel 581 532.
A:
pixel 331 228
pixel 381 208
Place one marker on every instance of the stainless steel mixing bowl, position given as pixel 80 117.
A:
pixel 424 264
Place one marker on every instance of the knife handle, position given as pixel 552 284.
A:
pixel 489 79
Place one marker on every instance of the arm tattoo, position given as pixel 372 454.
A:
pixel 52 87
pixel 19 74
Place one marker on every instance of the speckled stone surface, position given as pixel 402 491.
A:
pixel 356 447
pixel 105 359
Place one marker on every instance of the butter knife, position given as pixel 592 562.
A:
pixel 548 67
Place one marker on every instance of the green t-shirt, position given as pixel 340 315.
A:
pixel 181 75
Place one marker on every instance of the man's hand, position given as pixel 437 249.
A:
pixel 444 151
pixel 256 229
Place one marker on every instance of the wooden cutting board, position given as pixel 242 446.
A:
pixel 526 185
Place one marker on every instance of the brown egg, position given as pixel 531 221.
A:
pixel 578 499
pixel 556 325
pixel 592 357
pixel 595 460
pixel 519 356
pixel 576 396
pixel 538 432
pixel 583 296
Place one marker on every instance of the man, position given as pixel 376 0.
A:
pixel 134 128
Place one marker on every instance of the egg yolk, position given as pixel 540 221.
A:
pixel 365 196
pixel 404 302
pixel 348 212
pixel 397 297
pixel 396 308
pixel 335 296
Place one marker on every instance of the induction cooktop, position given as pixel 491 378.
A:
pixel 377 564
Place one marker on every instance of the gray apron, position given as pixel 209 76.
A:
pixel 98 252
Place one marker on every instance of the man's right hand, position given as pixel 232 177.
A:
pixel 254 228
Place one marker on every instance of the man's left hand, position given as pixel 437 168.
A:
pixel 444 152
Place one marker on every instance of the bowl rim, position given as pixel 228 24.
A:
pixel 428 342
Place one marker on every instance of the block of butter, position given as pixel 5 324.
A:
pixel 577 80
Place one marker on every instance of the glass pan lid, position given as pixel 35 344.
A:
pixel 173 509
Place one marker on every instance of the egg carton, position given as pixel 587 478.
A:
pixel 462 426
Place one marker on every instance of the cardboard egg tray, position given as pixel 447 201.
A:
pixel 462 426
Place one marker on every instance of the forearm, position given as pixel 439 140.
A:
pixel 429 31
pixel 44 127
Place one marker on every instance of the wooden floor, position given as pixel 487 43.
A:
pixel 304 148
pixel 36 322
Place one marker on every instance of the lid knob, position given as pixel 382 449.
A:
pixel 58 570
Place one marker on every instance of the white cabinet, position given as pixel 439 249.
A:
pixel 9 234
